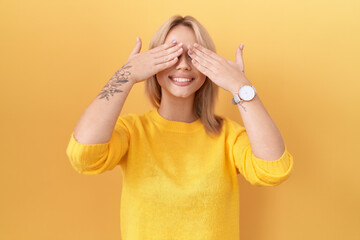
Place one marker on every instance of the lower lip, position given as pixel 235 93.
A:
pixel 182 84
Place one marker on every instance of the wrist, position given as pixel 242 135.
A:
pixel 125 75
pixel 132 80
pixel 236 87
pixel 245 91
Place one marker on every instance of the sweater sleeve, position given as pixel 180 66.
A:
pixel 93 159
pixel 257 171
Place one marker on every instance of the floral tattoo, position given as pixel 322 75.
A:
pixel 119 78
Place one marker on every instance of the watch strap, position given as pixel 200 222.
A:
pixel 236 99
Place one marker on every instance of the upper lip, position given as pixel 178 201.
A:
pixel 180 76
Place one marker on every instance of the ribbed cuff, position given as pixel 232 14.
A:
pixel 274 171
pixel 83 156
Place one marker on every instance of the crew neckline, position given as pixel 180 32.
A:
pixel 175 126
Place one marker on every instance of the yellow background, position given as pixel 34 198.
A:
pixel 302 56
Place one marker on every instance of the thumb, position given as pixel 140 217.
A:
pixel 137 47
pixel 239 54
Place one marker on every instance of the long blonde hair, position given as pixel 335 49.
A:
pixel 204 102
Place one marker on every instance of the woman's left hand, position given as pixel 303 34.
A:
pixel 224 73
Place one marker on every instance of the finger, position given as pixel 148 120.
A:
pixel 168 57
pixel 168 51
pixel 203 60
pixel 165 65
pixel 163 47
pixel 201 57
pixel 208 52
pixel 239 57
pixel 137 47
pixel 203 69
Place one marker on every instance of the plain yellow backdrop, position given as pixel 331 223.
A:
pixel 302 57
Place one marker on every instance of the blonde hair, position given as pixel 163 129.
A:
pixel 204 102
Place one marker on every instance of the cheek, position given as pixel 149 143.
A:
pixel 160 78
pixel 200 83
pixel 203 79
pixel 163 73
pixel 201 75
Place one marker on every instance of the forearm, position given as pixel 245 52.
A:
pixel 264 136
pixel 97 123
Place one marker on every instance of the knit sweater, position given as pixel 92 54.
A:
pixel 178 182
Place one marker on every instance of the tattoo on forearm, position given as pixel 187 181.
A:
pixel 118 79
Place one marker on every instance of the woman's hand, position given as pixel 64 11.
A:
pixel 141 66
pixel 224 73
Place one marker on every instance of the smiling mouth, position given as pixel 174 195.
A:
pixel 181 80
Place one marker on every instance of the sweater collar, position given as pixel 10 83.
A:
pixel 175 126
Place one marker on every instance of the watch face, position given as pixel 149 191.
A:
pixel 246 93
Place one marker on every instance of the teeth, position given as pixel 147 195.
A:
pixel 182 79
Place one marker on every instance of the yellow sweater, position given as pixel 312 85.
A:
pixel 178 183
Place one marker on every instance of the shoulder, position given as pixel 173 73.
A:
pixel 234 132
pixel 127 118
pixel 232 126
pixel 126 121
pixel 131 119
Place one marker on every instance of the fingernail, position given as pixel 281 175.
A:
pixel 190 52
pixel 174 41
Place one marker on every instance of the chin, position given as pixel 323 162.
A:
pixel 182 94
pixel 171 92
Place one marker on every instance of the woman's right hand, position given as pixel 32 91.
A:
pixel 142 66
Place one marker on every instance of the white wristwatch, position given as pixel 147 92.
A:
pixel 246 93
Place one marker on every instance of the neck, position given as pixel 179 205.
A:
pixel 177 109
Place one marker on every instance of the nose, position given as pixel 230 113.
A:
pixel 184 61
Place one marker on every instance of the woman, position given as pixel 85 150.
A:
pixel 180 161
